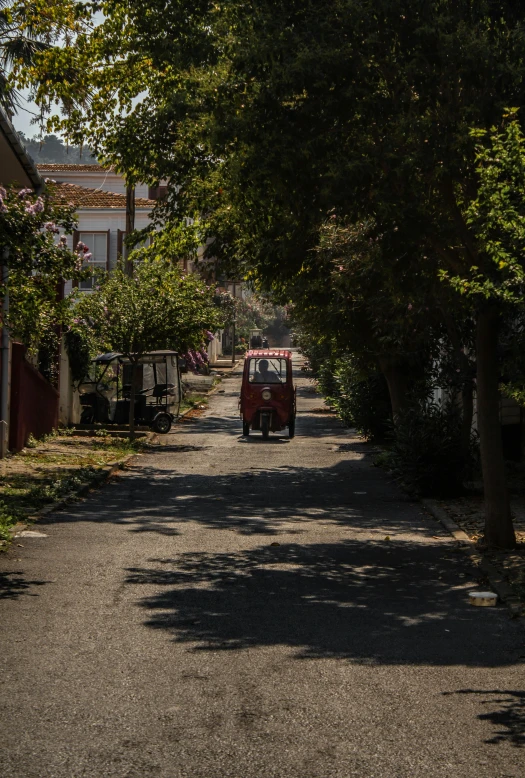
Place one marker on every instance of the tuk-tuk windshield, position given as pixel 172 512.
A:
pixel 267 370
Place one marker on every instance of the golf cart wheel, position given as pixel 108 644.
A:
pixel 265 426
pixel 246 428
pixel 87 416
pixel 291 427
pixel 162 423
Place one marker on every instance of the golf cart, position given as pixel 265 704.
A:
pixel 256 338
pixel 105 395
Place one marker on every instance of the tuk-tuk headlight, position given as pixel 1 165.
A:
pixel 266 394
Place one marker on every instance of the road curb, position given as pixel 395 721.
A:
pixel 212 391
pixel 496 580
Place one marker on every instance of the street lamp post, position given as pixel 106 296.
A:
pixel 234 322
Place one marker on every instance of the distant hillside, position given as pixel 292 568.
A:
pixel 52 149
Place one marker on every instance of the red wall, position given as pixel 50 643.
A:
pixel 34 402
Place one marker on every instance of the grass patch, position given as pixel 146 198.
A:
pixel 52 468
pixel 192 400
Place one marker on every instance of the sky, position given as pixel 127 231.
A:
pixel 22 119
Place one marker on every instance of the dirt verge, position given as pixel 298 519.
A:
pixel 57 467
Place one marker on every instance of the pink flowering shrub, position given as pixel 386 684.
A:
pixel 37 262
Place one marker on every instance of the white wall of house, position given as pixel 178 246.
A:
pixel 69 409
pixel 215 347
pixel 94 220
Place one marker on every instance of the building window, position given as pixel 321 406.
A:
pixel 157 192
pixel 98 245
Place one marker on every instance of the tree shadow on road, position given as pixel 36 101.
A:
pixel 361 601
pixel 13 584
pixel 508 718
pixel 308 425
pixel 258 501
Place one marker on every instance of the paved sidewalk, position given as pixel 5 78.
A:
pixel 230 607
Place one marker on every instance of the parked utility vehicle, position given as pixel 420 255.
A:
pixel 106 395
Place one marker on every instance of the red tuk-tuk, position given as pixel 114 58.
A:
pixel 267 394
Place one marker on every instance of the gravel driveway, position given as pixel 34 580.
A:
pixel 230 607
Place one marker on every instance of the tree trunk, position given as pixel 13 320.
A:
pixel 467 388
pixel 132 401
pixel 467 402
pixel 130 225
pixel 396 377
pixel 499 530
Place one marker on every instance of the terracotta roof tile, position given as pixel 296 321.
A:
pixel 82 197
pixel 55 167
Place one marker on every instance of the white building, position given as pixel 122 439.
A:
pixel 99 197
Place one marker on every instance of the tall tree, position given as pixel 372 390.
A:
pixel 152 307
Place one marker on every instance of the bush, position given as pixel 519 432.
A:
pixel 427 451
pixel 362 401
pixel 80 347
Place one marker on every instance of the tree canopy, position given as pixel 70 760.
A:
pixel 154 307
pixel 269 119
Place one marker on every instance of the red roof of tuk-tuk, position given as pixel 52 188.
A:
pixel 269 352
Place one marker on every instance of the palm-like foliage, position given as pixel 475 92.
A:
pixel 19 42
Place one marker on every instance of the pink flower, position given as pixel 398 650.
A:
pixel 88 256
pixel 24 192
pixel 39 205
pixel 410 306
pixel 3 192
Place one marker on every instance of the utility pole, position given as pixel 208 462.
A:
pixel 130 225
pixel 234 322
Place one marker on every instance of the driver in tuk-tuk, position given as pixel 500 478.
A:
pixel 264 375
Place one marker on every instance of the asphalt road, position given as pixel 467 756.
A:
pixel 230 607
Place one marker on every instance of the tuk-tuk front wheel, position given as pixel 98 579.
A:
pixel 162 423
pixel 291 427
pixel 246 428
pixel 265 425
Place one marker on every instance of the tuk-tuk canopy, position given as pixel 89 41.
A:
pixel 150 356
pixel 262 353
